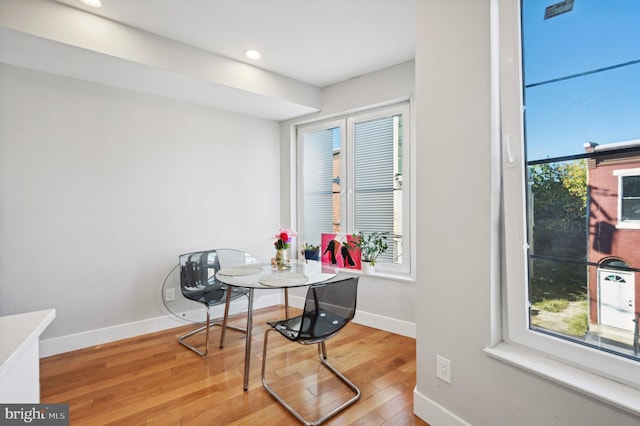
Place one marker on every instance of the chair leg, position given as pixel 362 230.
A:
pixel 205 327
pixel 322 355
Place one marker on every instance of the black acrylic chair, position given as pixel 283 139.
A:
pixel 198 283
pixel 328 308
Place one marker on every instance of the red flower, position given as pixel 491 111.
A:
pixel 283 238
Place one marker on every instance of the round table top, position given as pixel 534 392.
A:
pixel 262 275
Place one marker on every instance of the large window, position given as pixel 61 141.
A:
pixel 353 178
pixel 570 98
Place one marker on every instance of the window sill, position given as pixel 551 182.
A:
pixel 380 275
pixel 606 390
pixel 628 225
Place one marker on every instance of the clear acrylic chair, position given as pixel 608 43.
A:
pixel 198 283
pixel 328 308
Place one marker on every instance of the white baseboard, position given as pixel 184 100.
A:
pixel 434 413
pixel 100 336
pixel 392 325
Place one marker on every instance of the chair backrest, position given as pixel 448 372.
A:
pixel 328 307
pixel 197 270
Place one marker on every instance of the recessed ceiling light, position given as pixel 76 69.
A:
pixel 92 3
pixel 252 54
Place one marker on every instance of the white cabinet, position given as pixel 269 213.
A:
pixel 20 356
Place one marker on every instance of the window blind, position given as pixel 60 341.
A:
pixel 374 178
pixel 317 171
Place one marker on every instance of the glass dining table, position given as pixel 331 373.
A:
pixel 260 276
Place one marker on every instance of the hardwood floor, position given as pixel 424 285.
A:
pixel 153 380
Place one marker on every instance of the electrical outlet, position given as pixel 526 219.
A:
pixel 443 368
pixel 169 294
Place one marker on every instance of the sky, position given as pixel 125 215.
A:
pixel 601 107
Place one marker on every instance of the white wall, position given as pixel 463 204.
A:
pixel 102 188
pixel 455 232
pixel 384 303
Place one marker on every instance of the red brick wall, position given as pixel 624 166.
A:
pixel 605 240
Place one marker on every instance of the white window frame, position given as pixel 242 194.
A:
pixel 621 174
pixel 346 124
pixel 606 377
pixel 312 127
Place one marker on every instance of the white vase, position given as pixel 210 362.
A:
pixel 368 268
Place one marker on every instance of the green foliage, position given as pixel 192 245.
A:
pixel 310 247
pixel 571 175
pixel 579 325
pixel 559 207
pixel 575 180
pixel 558 225
pixel 552 305
pixel 555 279
pixel 371 245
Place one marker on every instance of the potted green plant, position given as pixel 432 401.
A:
pixel 371 246
pixel 311 252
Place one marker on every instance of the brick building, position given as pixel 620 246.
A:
pixel 614 234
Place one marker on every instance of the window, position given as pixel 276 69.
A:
pixel 629 198
pixel 565 132
pixel 353 177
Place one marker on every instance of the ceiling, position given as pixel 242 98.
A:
pixel 319 42
pixel 193 50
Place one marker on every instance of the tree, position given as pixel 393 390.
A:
pixel 559 197
pixel 558 229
